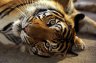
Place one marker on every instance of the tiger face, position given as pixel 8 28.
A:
pixel 48 31
pixel 48 24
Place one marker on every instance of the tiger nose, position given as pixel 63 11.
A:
pixel 38 22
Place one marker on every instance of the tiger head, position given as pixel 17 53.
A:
pixel 48 23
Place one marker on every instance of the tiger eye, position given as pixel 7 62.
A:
pixel 52 22
pixel 54 46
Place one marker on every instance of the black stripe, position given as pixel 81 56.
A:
pixel 39 10
pixel 57 11
pixel 65 47
pixel 65 30
pixel 61 27
pixel 64 40
pixel 26 40
pixel 67 41
pixel 8 33
pixel 7 27
pixel 4 10
pixel 48 15
pixel 40 18
pixel 61 46
pixel 8 10
pixel 67 35
pixel 13 38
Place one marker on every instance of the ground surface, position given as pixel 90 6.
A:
pixel 88 56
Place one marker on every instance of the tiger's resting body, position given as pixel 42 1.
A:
pixel 41 26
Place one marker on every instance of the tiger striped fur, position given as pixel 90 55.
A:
pixel 42 26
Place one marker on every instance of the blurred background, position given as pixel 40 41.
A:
pixel 88 7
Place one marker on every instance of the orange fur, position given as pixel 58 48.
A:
pixel 39 31
pixel 3 2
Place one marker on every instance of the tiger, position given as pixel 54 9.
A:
pixel 40 27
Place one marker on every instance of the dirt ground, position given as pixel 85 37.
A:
pixel 88 56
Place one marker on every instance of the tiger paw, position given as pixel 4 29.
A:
pixel 79 45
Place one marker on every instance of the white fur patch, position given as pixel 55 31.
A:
pixel 15 28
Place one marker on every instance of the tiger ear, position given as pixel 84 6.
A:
pixel 77 19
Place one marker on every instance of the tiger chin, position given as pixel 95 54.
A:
pixel 47 30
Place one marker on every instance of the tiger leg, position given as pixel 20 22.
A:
pixel 87 25
pixel 79 44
